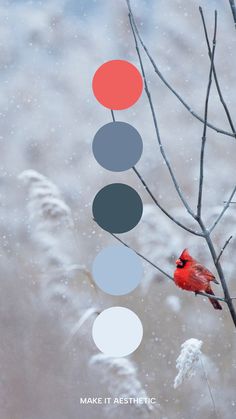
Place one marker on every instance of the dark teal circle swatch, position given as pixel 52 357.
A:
pixel 117 146
pixel 117 270
pixel 117 208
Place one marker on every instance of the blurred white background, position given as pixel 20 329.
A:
pixel 49 51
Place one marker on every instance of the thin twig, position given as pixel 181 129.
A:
pixel 202 155
pixel 143 257
pixel 223 248
pixel 113 116
pixel 233 9
pixel 215 75
pixel 226 206
pixel 171 217
pixel 178 190
pixel 209 388
pixel 214 297
pixel 160 75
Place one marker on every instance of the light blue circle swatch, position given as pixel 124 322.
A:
pixel 117 270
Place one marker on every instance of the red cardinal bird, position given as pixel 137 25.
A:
pixel 190 275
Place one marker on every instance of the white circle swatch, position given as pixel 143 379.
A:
pixel 117 331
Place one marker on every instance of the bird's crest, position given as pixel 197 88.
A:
pixel 185 255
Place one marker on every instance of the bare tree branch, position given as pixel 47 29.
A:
pixel 171 217
pixel 226 206
pixel 233 9
pixel 215 75
pixel 214 297
pixel 202 155
pixel 223 248
pixel 205 232
pixel 190 211
pixel 143 257
pixel 220 272
pixel 160 75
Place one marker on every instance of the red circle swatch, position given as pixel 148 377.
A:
pixel 117 84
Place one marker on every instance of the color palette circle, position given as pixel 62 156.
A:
pixel 117 84
pixel 117 331
pixel 117 146
pixel 117 270
pixel 117 208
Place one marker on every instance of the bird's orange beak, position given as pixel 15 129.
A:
pixel 179 263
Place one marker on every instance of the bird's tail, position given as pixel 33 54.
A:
pixel 214 302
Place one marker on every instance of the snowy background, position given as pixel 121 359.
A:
pixel 49 51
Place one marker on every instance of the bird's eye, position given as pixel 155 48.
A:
pixel 179 263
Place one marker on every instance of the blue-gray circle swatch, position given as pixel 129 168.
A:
pixel 117 208
pixel 117 270
pixel 117 146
